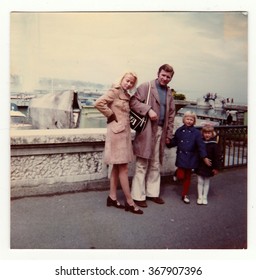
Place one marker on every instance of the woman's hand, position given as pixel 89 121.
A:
pixel 112 118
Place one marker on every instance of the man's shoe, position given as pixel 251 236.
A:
pixel 157 200
pixel 185 198
pixel 141 203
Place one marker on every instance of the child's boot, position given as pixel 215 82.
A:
pixel 205 194
pixel 200 194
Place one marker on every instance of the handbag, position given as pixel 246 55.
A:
pixel 137 121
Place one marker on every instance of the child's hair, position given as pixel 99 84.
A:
pixel 208 128
pixel 189 114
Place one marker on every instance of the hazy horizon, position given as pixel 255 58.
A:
pixel 208 50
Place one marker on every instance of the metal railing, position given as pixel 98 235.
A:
pixel 232 141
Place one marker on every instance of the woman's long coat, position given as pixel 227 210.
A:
pixel 118 144
pixel 190 147
pixel 144 142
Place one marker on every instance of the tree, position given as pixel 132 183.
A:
pixel 179 96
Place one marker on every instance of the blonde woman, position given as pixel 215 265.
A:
pixel 114 105
pixel 190 148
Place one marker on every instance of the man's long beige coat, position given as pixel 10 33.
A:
pixel 144 142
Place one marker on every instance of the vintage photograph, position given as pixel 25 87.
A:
pixel 128 130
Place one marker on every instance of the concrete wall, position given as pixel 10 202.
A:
pixel 63 160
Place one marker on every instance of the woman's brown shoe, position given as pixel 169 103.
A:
pixel 132 209
pixel 115 203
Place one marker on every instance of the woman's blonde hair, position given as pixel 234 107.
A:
pixel 189 114
pixel 118 83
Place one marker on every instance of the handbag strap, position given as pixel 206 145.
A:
pixel 148 92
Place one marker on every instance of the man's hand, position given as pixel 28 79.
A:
pixel 152 115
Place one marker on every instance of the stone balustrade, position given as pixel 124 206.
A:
pixel 54 161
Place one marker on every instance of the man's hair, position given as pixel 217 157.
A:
pixel 167 68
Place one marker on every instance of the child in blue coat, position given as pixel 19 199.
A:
pixel 190 148
pixel 204 171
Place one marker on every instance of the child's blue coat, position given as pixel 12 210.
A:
pixel 190 147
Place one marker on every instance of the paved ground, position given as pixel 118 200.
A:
pixel 82 220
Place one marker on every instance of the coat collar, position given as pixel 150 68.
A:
pixel 154 91
pixel 122 95
pixel 191 128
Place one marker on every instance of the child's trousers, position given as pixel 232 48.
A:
pixel 184 175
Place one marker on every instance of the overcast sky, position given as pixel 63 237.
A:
pixel 208 50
